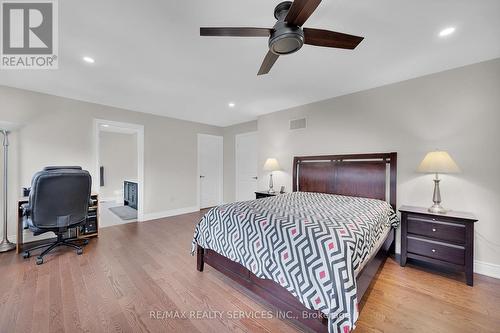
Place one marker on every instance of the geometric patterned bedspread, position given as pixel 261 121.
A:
pixel 309 243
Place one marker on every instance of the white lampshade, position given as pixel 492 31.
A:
pixel 8 126
pixel 438 162
pixel 272 165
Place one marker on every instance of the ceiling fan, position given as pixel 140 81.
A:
pixel 288 36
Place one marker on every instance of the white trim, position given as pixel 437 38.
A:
pixel 121 130
pixel 486 268
pixel 236 139
pixel 139 130
pixel 168 213
pixel 221 169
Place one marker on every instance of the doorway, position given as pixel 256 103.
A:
pixel 210 166
pixel 246 161
pixel 119 172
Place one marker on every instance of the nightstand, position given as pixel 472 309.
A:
pixel 265 194
pixel 444 239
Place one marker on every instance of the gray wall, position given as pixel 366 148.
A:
pixel 457 111
pixel 118 156
pixel 230 133
pixel 61 131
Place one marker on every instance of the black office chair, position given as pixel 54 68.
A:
pixel 59 200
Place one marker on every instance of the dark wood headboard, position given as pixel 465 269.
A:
pixel 358 175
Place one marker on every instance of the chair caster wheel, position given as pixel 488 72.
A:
pixel 39 260
pixel 26 255
pixel 79 251
pixel 85 242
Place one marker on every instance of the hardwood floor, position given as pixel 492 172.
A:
pixel 137 268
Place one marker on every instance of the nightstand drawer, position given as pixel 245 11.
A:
pixel 446 239
pixel 436 250
pixel 434 228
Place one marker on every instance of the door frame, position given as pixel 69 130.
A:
pixel 139 131
pixel 237 138
pixel 220 157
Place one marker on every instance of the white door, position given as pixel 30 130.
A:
pixel 210 150
pixel 246 166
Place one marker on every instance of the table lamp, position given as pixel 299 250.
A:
pixel 437 162
pixel 271 165
pixel 5 129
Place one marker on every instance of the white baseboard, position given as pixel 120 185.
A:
pixel 168 213
pixel 486 268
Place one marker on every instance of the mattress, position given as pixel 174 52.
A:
pixel 312 244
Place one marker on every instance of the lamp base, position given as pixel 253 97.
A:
pixel 437 209
pixel 271 185
pixel 5 246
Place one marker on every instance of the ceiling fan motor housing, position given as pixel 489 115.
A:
pixel 285 39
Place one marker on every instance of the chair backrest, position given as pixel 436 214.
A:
pixel 59 197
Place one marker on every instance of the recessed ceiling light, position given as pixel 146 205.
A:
pixel 105 125
pixel 231 105
pixel 446 32
pixel 89 60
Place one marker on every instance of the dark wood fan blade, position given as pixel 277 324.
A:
pixel 328 38
pixel 268 63
pixel 236 32
pixel 300 11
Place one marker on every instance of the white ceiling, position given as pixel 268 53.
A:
pixel 150 57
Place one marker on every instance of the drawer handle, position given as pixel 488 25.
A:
pixel 433 229
pixel 433 250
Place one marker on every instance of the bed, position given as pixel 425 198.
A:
pixel 311 253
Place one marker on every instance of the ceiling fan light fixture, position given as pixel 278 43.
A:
pixel 286 39
pixel 286 44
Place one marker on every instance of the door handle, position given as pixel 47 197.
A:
pixel 255 177
pixel 202 176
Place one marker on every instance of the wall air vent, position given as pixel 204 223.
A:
pixel 296 124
